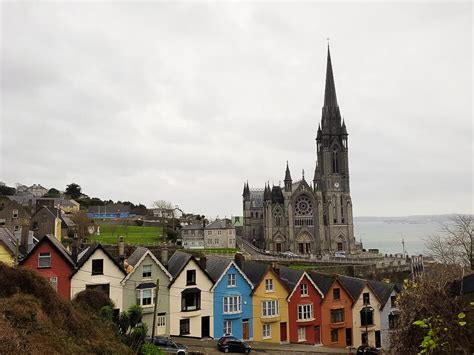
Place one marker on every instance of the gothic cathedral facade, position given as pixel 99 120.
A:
pixel 303 217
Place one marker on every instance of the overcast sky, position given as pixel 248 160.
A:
pixel 186 101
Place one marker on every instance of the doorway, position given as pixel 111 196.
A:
pixel 205 329
pixel 245 329
pixel 348 336
pixel 317 334
pixel 283 337
pixel 278 247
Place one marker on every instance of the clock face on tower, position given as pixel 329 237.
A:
pixel 336 185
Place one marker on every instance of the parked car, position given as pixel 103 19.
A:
pixel 168 346
pixel 367 350
pixel 232 344
pixel 340 254
pixel 289 253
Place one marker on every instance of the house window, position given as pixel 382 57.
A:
pixel 366 297
pixel 191 299
pixel 268 285
pixel 35 226
pixel 337 315
pixel 227 327
pixel 305 311
pixel 209 241
pixel 304 289
pixel 219 232
pixel 161 320
pixel 334 335
pixel 146 272
pixel 367 316
pixel 44 260
pixel 336 293
pixel 267 331
pixel 14 213
pixel 190 277
pixel 393 301
pixel 184 326
pixel 231 280
pixel 216 241
pixel 145 297
pixel 16 228
pixel 269 308
pixel 392 321
pixel 301 333
pixel 232 304
pixel 53 281
pixel 97 267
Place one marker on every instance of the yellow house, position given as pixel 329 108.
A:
pixel 270 309
pixel 7 246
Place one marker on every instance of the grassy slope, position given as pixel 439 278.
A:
pixel 133 234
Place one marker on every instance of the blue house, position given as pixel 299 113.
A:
pixel 232 298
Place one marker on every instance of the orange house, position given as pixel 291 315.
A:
pixel 336 311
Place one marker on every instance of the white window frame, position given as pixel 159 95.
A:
pixel 161 320
pixel 53 281
pixel 140 297
pixel 268 285
pixel 266 331
pixel 44 257
pixel 227 327
pixel 15 213
pixel 232 304
pixel 270 308
pixel 231 280
pixel 305 311
pixel 301 333
pixel 304 289
pixel 143 271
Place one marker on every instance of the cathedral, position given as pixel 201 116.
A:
pixel 304 217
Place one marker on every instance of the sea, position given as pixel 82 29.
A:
pixel 387 233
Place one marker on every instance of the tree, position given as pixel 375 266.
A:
pixel 82 224
pixel 7 190
pixel 52 193
pixel 454 244
pixel 73 191
pixel 163 205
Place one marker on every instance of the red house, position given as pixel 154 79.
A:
pixel 51 260
pixel 304 307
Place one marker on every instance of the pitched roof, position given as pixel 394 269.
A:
pixel 193 226
pixel 382 290
pixel 9 239
pixel 136 256
pixel 215 266
pixel 323 281
pixel 290 277
pixel 56 244
pixel 353 285
pixel 177 263
pixel 89 251
pixel 66 222
pixel 220 224
pixel 254 270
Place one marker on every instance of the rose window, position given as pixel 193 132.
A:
pixel 303 206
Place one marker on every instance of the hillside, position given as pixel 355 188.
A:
pixel 34 320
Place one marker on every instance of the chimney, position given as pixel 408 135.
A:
pixel 75 243
pixel 276 268
pixel 164 255
pixel 203 261
pixel 25 236
pixel 121 250
pixel 239 258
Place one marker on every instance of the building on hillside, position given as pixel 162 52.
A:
pixel 336 311
pixel 219 234
pixel 365 311
pixel 308 217
pixel 97 269
pixel 304 307
pixel 26 199
pixel 37 190
pixel 110 211
pixel 46 219
pixel 14 216
pixel 232 293
pixel 238 223
pixel 8 247
pixel 139 287
pixel 4 200
pixel 51 260
pixel 193 236
pixel 68 206
pixel 191 299
pixel 389 312
pixel 270 310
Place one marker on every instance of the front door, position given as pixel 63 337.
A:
pixel 378 340
pixel 283 332
pixel 205 331
pixel 278 247
pixel 245 329
pixel 348 336
pixel 317 335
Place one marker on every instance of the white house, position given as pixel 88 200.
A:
pixel 191 299
pixel 97 269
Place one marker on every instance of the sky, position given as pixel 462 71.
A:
pixel 184 101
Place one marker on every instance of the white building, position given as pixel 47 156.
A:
pixel 97 269
pixel 191 299
pixel 216 235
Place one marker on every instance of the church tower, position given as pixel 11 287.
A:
pixel 331 175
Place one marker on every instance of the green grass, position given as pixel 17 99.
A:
pixel 132 234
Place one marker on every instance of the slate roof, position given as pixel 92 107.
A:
pixel 89 251
pixel 256 198
pixel 353 285
pixel 254 270
pixel 290 277
pixel 57 245
pixel 136 256
pixel 9 239
pixel 220 224
pixel 177 262
pixel 193 226
pixel 215 266
pixel 323 281
pixel 382 290
pixel 66 222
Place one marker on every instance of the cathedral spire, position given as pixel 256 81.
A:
pixel 287 173
pixel 330 99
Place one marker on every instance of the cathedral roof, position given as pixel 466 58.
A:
pixel 287 173
pixel 277 195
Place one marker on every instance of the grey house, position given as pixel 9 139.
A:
pixel 139 288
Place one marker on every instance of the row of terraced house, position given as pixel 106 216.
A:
pixel 214 296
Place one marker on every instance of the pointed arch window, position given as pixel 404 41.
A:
pixel 335 162
pixel 342 210
pixel 277 217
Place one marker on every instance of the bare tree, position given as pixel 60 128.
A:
pixel 82 224
pixel 454 244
